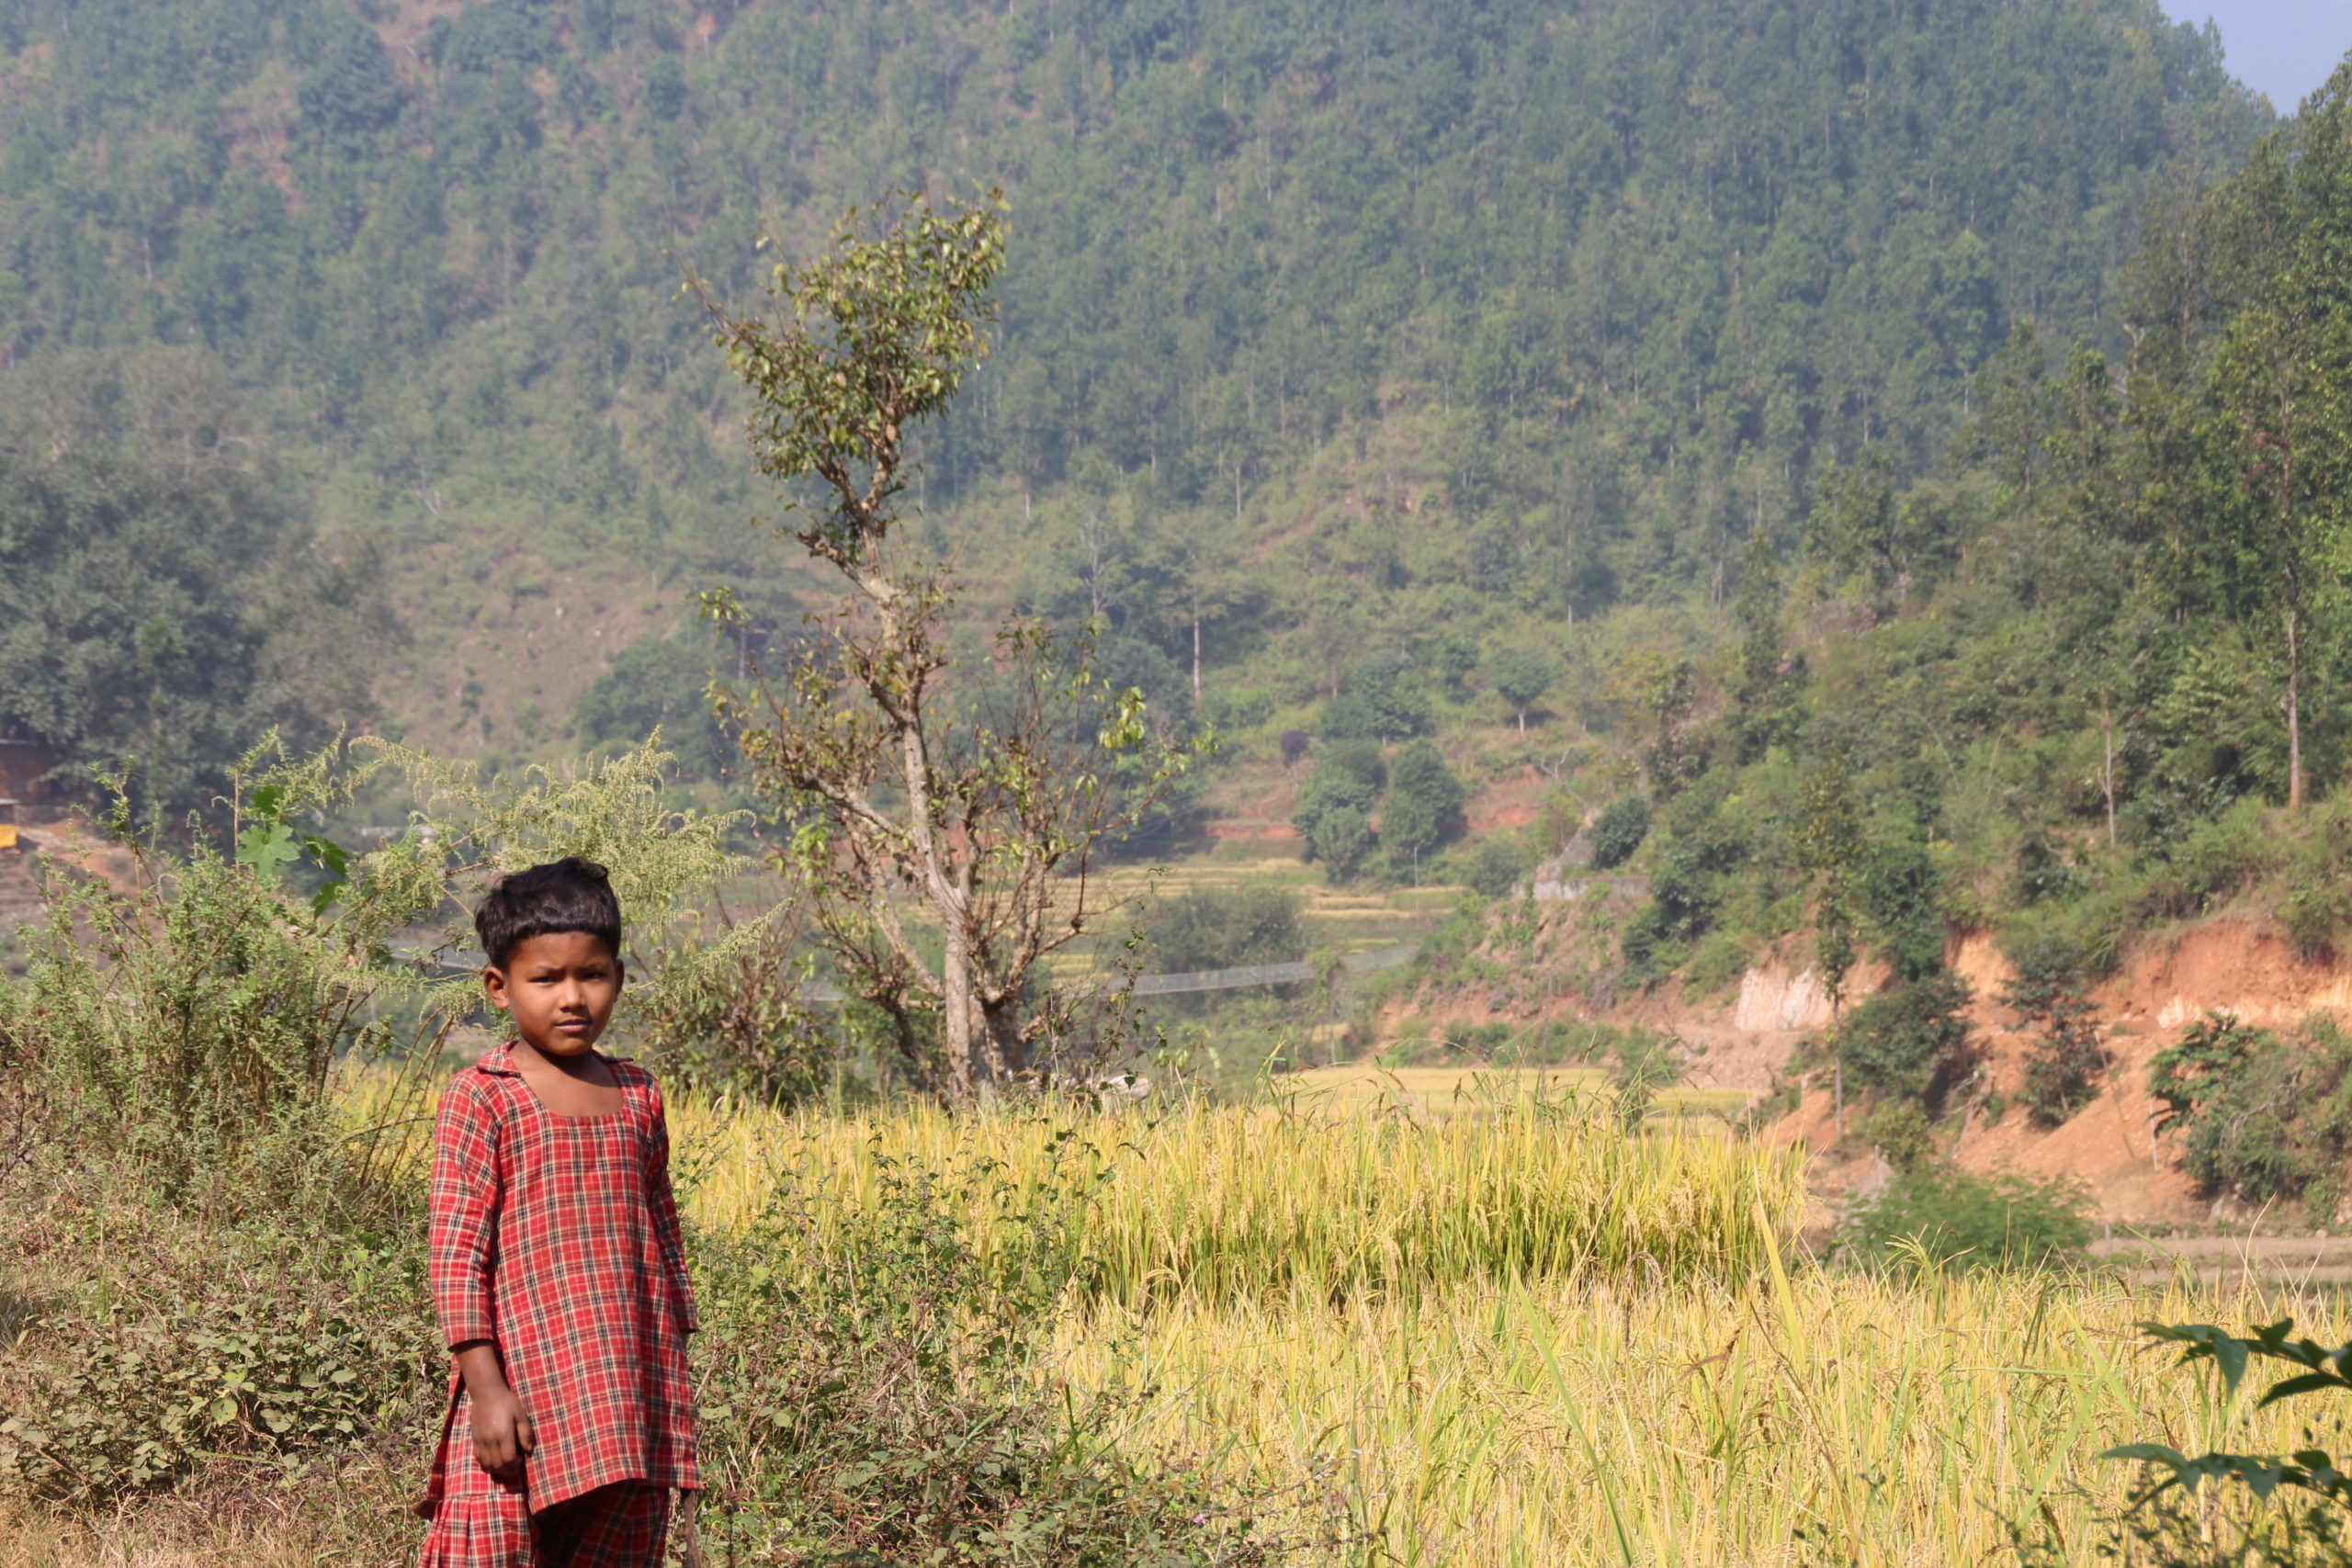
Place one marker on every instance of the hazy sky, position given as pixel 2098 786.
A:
pixel 2284 48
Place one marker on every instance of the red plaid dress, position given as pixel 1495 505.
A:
pixel 556 1238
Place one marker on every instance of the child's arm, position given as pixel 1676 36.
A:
pixel 665 1212
pixel 464 1229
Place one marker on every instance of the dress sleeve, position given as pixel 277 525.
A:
pixel 466 1191
pixel 665 1206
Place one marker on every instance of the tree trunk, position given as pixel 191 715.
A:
pixel 2294 717
pixel 2106 769
pixel 1522 721
pixel 1007 1058
pixel 1838 1064
pixel 1196 653
pixel 956 1010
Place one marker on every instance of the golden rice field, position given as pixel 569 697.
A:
pixel 1525 1339
pixel 1240 1204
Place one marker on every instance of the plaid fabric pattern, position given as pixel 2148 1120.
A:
pixel 556 1239
pixel 484 1525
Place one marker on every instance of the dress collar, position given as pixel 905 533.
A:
pixel 498 1061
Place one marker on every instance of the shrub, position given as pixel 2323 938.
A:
pixel 1902 1133
pixel 2169 1526
pixel 282 1349
pixel 1910 1043
pixel 1619 831
pixel 2267 1119
pixel 1942 1217
pixel 2050 992
pixel 1226 928
pixel 1720 959
pixel 1490 867
pixel 2206 866
pixel 730 1019
pixel 2318 906
pixel 886 1400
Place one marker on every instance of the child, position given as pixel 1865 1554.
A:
pixel 556 1264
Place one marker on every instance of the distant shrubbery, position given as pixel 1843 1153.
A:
pixel 1618 831
pixel 2263 1118
pixel 1224 927
pixel 1934 1215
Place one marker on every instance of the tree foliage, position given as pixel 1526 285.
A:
pixel 983 796
pixel 163 600
pixel 1618 290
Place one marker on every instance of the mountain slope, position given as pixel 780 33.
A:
pixel 1343 316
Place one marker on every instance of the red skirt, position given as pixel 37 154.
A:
pixel 481 1522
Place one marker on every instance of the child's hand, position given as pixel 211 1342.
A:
pixel 501 1435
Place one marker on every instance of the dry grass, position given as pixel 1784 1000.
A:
pixel 1230 1203
pixel 1812 1418
pixel 1514 1339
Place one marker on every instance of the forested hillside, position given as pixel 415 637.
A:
pixel 1326 327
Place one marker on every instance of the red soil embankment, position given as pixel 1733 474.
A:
pixel 2234 964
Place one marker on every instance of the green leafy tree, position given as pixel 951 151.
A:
pixel 1341 838
pixel 993 815
pixel 660 683
pixel 2283 391
pixel 1333 810
pixel 1830 845
pixel 1422 810
pixel 353 90
pixel 160 601
pixel 1521 676
pixel 2049 994
pixel 1214 928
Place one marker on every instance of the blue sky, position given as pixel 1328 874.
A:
pixel 2284 48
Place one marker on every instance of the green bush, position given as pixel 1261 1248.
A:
pixel 2301 1504
pixel 1490 867
pixel 2318 906
pixel 1618 831
pixel 887 1401
pixel 281 1350
pixel 1226 928
pixel 1937 1216
pixel 1912 1043
pixel 2206 866
pixel 2049 993
pixel 1902 1133
pixel 2267 1119
pixel 1719 960
pixel 730 1019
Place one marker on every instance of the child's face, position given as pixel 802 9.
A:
pixel 561 988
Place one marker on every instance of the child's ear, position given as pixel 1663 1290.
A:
pixel 493 986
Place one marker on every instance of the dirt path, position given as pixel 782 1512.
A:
pixel 2233 1260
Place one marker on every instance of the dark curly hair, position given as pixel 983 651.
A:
pixel 569 895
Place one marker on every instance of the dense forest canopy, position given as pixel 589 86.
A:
pixel 164 599
pixel 1625 274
